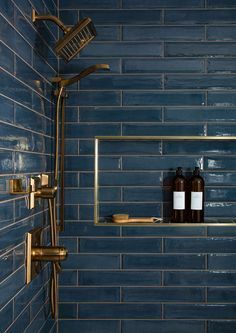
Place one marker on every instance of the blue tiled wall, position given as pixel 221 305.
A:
pixel 27 62
pixel 172 73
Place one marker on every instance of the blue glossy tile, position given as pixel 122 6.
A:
pixel 92 261
pixel 91 130
pixel 199 278
pixel 162 98
pixel 199 16
pixel 143 194
pixel 86 196
pixel 6 316
pixel 120 245
pixel 77 65
pixel 119 114
pixel 221 261
pixel 158 162
pixel 93 98
pixel 130 147
pixel 221 65
pixel 7 9
pixel 162 3
pixel 222 231
pixel 92 326
pixel 219 163
pixel 119 311
pixel 221 33
pixel 71 212
pixel 68 311
pixel 69 242
pixel 30 162
pixel 199 49
pixel 90 294
pixel 146 33
pixel 221 295
pixel 165 65
pixel 39 321
pixel 220 194
pixel 10 286
pixel 86 163
pixel 68 278
pixel 163 231
pixel 86 147
pixel 221 99
pixel 122 178
pixel 123 49
pixel 214 82
pixel 83 229
pixel 203 311
pixel 200 245
pixel 167 294
pixel 6 162
pixel 71 146
pixel 106 33
pixel 7 58
pixel 163 262
pixel 121 16
pixel 121 82
pixel 21 322
pixel 222 210
pixel 79 4
pixel 164 129
pixel 164 326
pixel 6 264
pixel 119 278
pixel 31 120
pixel 6 213
pixel 223 130
pixel 221 3
pixel 218 326
pixel 204 114
pixel 7 109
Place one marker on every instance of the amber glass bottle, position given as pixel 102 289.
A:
pixel 196 186
pixel 179 197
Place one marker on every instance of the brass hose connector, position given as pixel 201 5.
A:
pixel 49 253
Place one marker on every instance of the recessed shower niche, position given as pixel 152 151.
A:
pixel 133 176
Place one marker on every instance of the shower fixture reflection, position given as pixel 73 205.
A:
pixel 74 39
pixel 58 174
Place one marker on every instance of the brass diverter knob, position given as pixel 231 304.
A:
pixel 49 253
pixel 46 193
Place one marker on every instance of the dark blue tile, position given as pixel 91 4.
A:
pixel 91 130
pixel 69 242
pixel 221 295
pixel 86 196
pixel 163 231
pixel 68 311
pixel 94 98
pixel 143 194
pixel 71 212
pixel 162 98
pixel 119 278
pixel 119 311
pixel 68 277
pixel 71 146
pixel 158 162
pixel 221 33
pixel 91 326
pixel 163 262
pixel 165 65
pixel 130 147
pixel 202 114
pixel 213 82
pixel 199 278
pixel 223 130
pixel 162 3
pixel 200 245
pixel 7 110
pixel 122 178
pixel 121 82
pixel 31 120
pixel 221 65
pixel 164 326
pixel 94 294
pixel 6 164
pixel 164 129
pixel 83 229
pixel 7 58
pixel 196 311
pixel 199 16
pixel 79 4
pixel 123 49
pixel 199 49
pixel 221 261
pixel 6 316
pixel 160 294
pixel 7 9
pixel 220 194
pixel 120 245
pixel 146 33
pixel 92 261
pixel 221 3
pixel 7 265
pixel 77 65
pixel 219 163
pixel 21 322
pixel 119 114
pixel 116 17
pixel 221 210
pixel 218 326
pixel 39 321
pixel 106 33
pixel 6 213
pixel 26 162
pixel 222 231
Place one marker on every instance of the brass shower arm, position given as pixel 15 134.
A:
pixel 52 18
pixel 66 82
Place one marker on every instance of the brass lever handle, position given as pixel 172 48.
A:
pixel 49 253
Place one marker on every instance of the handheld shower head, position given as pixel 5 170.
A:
pixel 74 39
pixel 67 82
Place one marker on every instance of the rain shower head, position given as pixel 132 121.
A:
pixel 67 82
pixel 74 39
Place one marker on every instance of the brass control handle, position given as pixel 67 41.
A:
pixel 46 192
pixel 49 253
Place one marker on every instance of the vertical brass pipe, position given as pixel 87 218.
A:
pixel 57 135
pixel 62 177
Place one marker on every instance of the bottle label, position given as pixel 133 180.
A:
pixel 196 200
pixel 179 200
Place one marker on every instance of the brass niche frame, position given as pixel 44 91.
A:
pixel 160 137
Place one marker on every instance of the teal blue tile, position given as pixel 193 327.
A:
pixel 92 326
pixel 89 294
pixel 162 3
pixel 227 326
pixel 206 16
